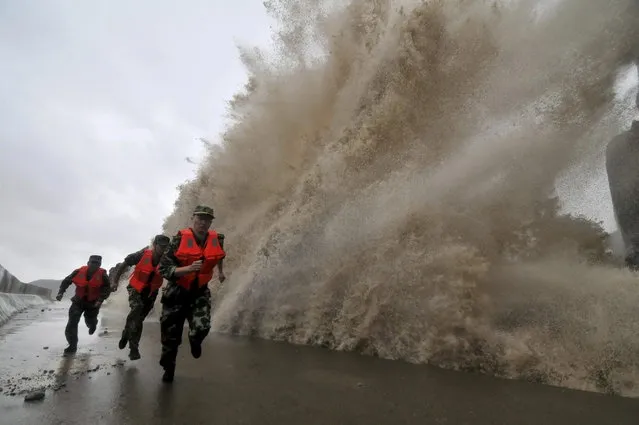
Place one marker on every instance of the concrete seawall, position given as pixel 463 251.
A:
pixel 10 284
pixel 10 304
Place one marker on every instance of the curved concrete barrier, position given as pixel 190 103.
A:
pixel 10 284
pixel 11 304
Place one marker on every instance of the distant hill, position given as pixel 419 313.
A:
pixel 52 284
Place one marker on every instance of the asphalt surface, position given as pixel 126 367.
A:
pixel 243 381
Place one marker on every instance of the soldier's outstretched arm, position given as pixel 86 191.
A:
pixel 118 274
pixel 105 289
pixel 129 261
pixel 66 282
pixel 169 262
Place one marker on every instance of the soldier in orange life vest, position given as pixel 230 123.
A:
pixel 188 267
pixel 92 287
pixel 144 285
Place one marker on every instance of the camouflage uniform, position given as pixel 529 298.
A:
pixel 622 163
pixel 82 306
pixel 180 304
pixel 140 303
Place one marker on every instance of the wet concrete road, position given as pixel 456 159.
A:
pixel 240 381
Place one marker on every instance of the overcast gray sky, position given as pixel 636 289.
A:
pixel 100 104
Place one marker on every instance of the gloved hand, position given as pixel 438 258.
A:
pixel 58 297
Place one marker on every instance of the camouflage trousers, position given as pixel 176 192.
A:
pixel 179 305
pixel 140 305
pixel 77 309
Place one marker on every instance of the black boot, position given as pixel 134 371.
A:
pixel 169 372
pixel 169 369
pixel 134 354
pixel 196 348
pixel 72 348
pixel 92 329
pixel 123 340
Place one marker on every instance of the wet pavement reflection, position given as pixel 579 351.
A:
pixel 244 381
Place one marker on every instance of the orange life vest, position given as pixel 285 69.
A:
pixel 88 289
pixel 189 251
pixel 140 277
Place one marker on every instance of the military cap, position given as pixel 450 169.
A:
pixel 203 210
pixel 161 240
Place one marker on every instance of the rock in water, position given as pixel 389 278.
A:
pixel 38 395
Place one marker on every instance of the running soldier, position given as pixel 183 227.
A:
pixel 188 267
pixel 144 285
pixel 92 287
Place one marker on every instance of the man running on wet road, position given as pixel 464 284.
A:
pixel 188 266
pixel 144 285
pixel 92 287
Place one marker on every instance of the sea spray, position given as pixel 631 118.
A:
pixel 387 185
